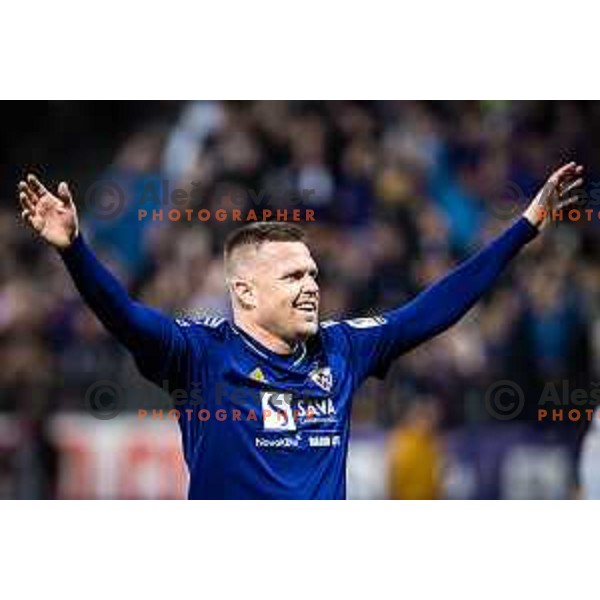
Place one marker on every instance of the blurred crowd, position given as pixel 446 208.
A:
pixel 401 192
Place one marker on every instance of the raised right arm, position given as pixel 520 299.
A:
pixel 151 336
pixel 138 327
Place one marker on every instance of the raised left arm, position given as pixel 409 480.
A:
pixel 443 303
pixel 376 342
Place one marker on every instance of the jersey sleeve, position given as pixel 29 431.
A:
pixel 157 343
pixel 373 343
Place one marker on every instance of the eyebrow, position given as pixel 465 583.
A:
pixel 299 271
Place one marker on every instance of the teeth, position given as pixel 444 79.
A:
pixel 310 307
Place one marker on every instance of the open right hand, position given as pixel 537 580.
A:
pixel 52 217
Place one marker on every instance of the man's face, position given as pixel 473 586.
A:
pixel 284 291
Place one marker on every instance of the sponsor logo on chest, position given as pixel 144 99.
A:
pixel 281 413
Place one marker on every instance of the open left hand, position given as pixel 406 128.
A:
pixel 559 191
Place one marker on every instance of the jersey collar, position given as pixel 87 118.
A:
pixel 293 359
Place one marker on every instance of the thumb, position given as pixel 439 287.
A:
pixel 64 193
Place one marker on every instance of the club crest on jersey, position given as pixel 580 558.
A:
pixel 323 378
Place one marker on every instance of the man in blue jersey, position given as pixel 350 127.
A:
pixel 268 395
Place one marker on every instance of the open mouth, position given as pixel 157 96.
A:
pixel 308 307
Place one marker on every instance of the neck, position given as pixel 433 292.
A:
pixel 268 339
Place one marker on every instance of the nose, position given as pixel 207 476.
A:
pixel 311 287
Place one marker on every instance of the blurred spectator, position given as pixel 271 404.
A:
pixel 415 454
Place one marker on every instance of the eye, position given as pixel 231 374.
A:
pixel 293 276
pixel 298 275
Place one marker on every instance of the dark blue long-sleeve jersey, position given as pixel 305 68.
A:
pixel 256 424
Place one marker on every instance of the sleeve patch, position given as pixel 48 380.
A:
pixel 212 322
pixel 366 322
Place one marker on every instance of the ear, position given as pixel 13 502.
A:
pixel 243 291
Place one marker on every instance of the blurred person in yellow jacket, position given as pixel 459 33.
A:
pixel 414 454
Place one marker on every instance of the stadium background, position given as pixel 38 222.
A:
pixel 401 192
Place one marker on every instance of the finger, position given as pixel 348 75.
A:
pixel 27 217
pixel 26 203
pixel 25 189
pixel 36 185
pixel 571 186
pixel 64 193
pixel 559 175
pixel 569 201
